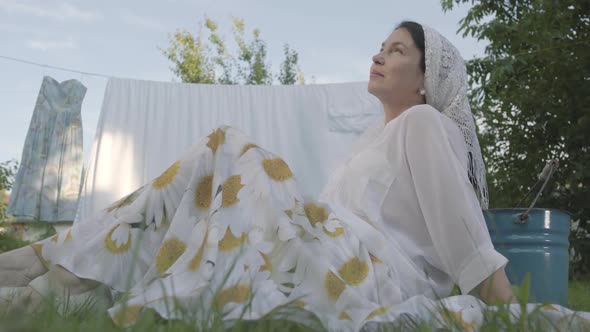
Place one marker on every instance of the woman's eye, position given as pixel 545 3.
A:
pixel 392 50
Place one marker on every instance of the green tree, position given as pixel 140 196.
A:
pixel 205 57
pixel 190 58
pixel 532 96
pixel 7 172
pixel 290 73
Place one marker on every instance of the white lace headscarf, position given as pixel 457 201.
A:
pixel 446 91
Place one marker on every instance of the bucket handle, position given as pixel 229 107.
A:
pixel 545 175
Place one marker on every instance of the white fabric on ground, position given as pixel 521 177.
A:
pixel 225 226
pixel 145 125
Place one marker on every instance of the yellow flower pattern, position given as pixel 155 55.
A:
pixel 344 316
pixel 277 169
pixel 38 248
pixel 247 147
pixel 230 189
pixel 267 264
pixel 334 286
pixel 315 213
pixel 216 138
pixel 196 261
pixel 112 245
pixel 230 242
pixel 169 252
pixel 548 306
pixel 456 317
pixel 299 303
pixel 167 177
pixel 378 311
pixel 337 232
pixel 354 271
pixel 234 294
pixel 203 193
pixel 127 200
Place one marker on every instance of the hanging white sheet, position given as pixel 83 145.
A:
pixel 144 127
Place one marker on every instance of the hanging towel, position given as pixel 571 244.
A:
pixel 47 184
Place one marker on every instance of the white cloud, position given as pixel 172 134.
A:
pixel 16 28
pixel 61 12
pixel 52 45
pixel 334 66
pixel 142 22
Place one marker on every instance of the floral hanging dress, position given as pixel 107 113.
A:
pixel 47 184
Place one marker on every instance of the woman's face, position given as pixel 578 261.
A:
pixel 396 76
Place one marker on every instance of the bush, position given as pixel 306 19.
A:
pixel 7 172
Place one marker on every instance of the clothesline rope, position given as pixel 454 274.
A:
pixel 55 67
pixel 533 52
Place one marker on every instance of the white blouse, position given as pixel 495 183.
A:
pixel 408 180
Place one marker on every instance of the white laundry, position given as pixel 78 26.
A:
pixel 145 125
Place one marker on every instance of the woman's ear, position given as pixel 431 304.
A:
pixel 421 80
pixel 421 88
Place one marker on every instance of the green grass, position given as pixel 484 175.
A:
pixel 579 295
pixel 88 318
pixel 8 242
pixel 91 316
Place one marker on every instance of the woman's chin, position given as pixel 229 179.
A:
pixel 374 89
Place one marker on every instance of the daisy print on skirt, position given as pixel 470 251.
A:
pixel 166 191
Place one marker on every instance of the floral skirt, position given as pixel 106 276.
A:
pixel 225 228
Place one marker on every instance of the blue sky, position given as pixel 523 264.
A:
pixel 335 41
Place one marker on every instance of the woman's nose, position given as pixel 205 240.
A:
pixel 377 59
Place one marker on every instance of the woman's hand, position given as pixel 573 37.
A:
pixel 496 289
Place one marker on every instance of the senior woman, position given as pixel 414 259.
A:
pixel 226 226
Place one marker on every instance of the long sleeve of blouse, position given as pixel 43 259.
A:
pixel 448 203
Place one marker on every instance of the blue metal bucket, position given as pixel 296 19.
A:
pixel 538 246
